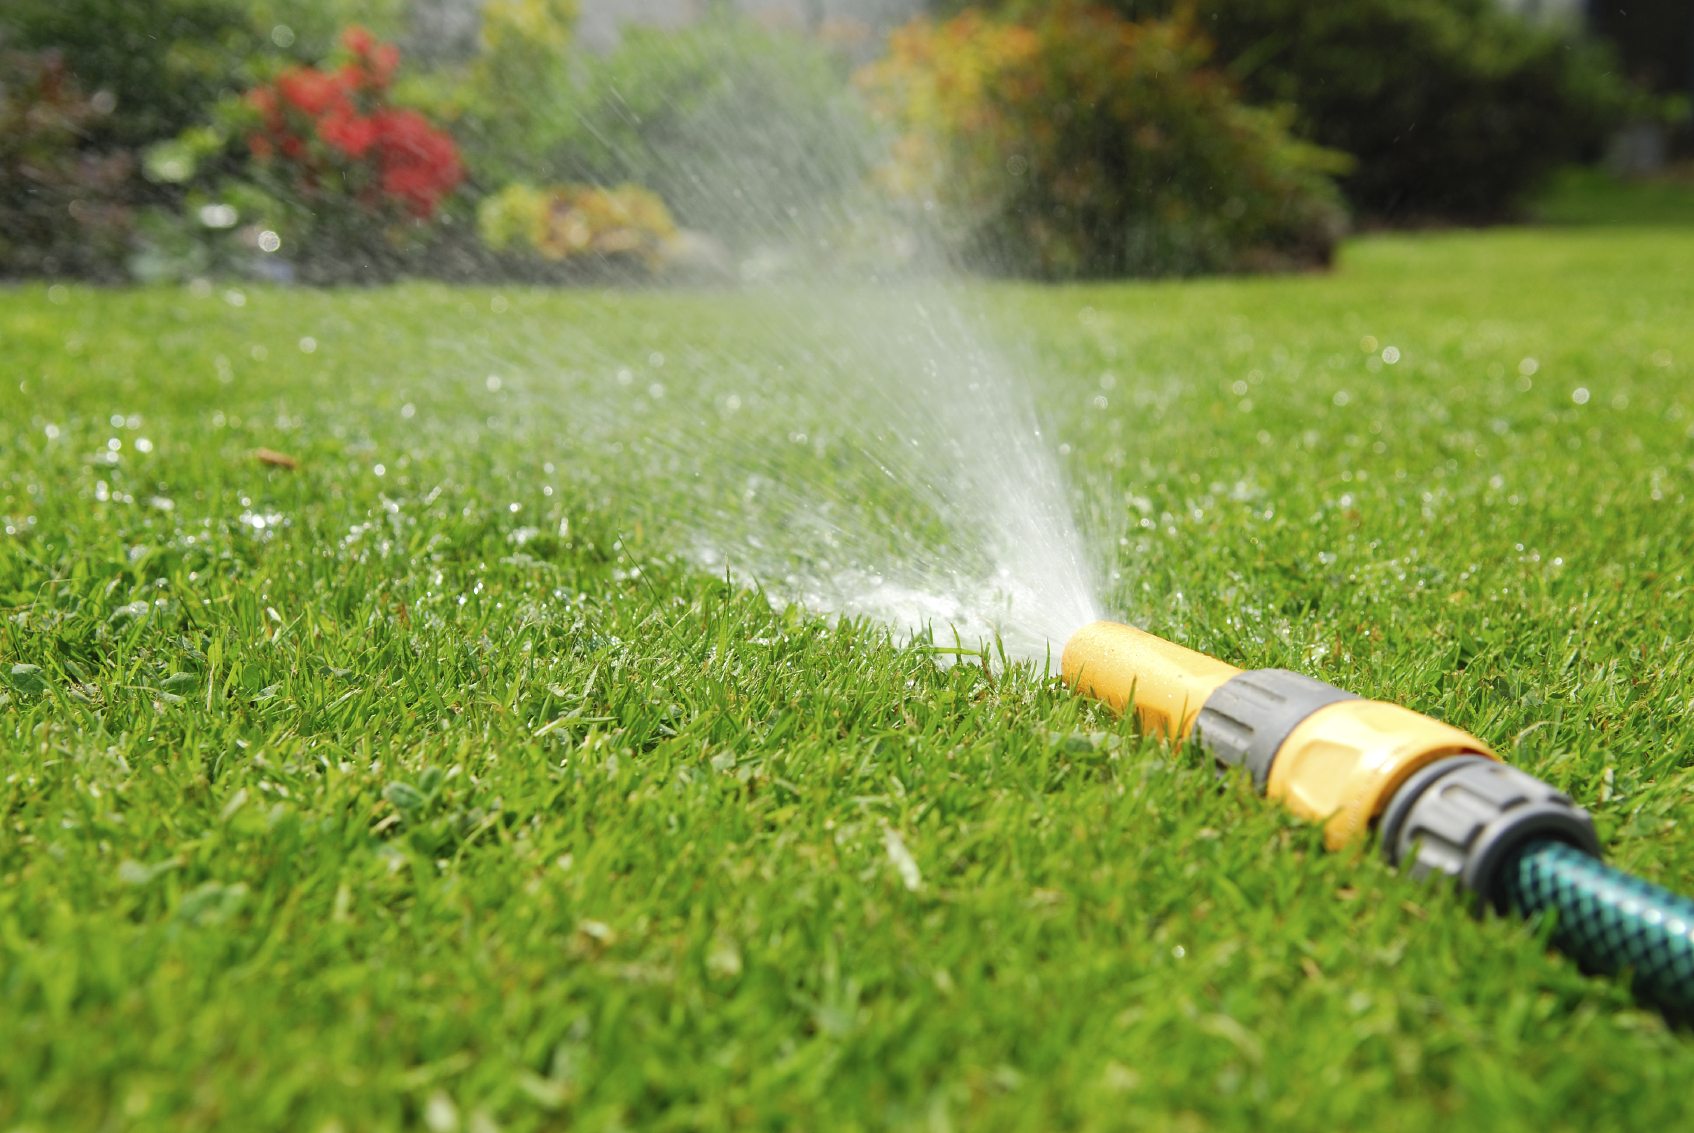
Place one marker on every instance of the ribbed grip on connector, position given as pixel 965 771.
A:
pixel 1245 721
pixel 1466 816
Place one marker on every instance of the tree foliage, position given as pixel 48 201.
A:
pixel 1451 108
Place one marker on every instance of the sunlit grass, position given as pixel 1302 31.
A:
pixel 417 786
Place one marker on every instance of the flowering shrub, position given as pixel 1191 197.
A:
pixel 623 226
pixel 1083 144
pixel 333 142
pixel 334 132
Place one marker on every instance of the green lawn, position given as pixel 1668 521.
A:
pixel 1588 197
pixel 416 786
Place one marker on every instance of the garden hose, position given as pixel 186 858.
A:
pixel 1439 799
pixel 1609 921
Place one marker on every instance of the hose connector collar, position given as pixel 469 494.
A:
pixel 1464 817
pixel 1245 721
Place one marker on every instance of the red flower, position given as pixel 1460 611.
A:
pixel 413 186
pixel 357 40
pixel 383 60
pixel 419 164
pixel 309 91
pixel 405 133
pixel 348 132
pixel 261 146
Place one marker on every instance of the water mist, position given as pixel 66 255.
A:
pixel 872 455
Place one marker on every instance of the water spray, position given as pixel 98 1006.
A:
pixel 1442 802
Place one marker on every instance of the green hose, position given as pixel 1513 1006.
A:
pixel 1609 921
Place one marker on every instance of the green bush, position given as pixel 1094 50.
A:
pixel 744 132
pixel 1453 108
pixel 63 209
pixel 161 62
pixel 1081 144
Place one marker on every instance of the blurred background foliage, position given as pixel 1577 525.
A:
pixel 1452 109
pixel 729 122
pixel 503 89
pixel 1078 143
pixel 63 206
pixel 1125 137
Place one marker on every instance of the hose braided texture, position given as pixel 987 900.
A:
pixel 1608 920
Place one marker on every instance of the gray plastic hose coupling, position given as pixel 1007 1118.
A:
pixel 1466 817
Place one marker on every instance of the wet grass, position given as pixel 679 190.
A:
pixel 414 786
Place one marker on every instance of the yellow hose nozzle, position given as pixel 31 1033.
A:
pixel 1124 666
pixel 1325 754
pixel 1442 804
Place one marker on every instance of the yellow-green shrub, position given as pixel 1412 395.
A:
pixel 581 224
pixel 1081 144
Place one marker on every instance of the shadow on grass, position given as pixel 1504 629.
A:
pixel 1595 198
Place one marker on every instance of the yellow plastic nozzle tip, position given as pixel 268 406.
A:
pixel 1125 667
